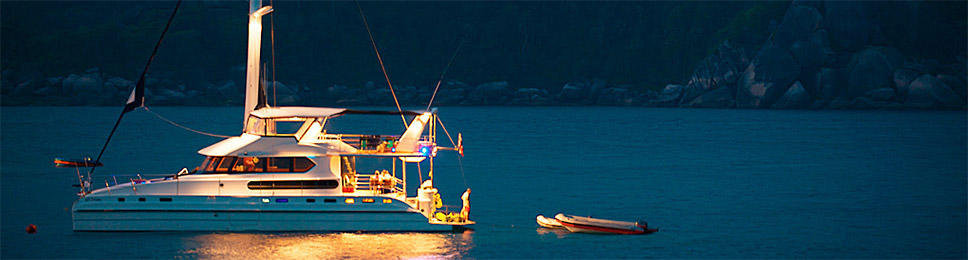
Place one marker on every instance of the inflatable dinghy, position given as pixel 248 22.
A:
pixel 602 226
pixel 548 222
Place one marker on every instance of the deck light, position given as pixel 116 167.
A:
pixel 265 200
pixel 424 150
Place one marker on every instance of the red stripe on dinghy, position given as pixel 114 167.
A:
pixel 602 229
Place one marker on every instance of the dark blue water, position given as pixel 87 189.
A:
pixel 718 184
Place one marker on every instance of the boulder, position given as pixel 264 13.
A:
pixel 595 88
pixel 809 54
pixel 869 103
pixel 930 92
pixel 490 93
pixel 840 102
pixel 120 83
pixel 827 84
pixel 863 103
pixel 716 70
pixel 669 97
pixel 721 97
pixel 768 76
pixel 928 66
pixel 88 84
pixel 280 89
pixel 798 24
pixel 529 93
pixel 871 69
pixel 380 96
pixel 955 84
pixel 882 94
pixel 335 92
pixel 903 77
pixel 224 93
pixel 529 97
pixel 612 97
pixel 287 100
pixel 25 88
pixel 67 85
pixel 573 92
pixel 847 23
pixel 795 98
pixel 47 92
pixel 450 96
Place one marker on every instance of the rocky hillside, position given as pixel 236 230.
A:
pixel 805 54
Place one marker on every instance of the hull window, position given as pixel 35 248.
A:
pixel 291 185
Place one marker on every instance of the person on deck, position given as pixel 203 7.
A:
pixel 387 181
pixel 466 209
pixel 375 181
pixel 250 164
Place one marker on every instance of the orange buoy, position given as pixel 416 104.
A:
pixel 31 229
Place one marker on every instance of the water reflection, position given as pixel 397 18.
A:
pixel 559 232
pixel 329 246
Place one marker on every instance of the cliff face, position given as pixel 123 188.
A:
pixel 757 54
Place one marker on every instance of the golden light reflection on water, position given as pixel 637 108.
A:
pixel 329 246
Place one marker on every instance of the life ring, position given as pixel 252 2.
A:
pixel 437 202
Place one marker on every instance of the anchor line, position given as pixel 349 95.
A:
pixel 380 59
pixel 184 127
pixel 132 102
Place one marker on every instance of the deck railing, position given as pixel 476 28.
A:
pixel 366 183
pixel 373 143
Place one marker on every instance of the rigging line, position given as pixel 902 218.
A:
pixel 272 37
pixel 444 73
pixel 419 173
pixel 459 161
pixel 183 127
pixel 385 75
pixel 140 84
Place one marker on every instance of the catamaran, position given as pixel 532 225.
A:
pixel 289 170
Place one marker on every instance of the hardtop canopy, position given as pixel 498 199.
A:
pixel 306 112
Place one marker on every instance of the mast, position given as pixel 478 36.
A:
pixel 252 86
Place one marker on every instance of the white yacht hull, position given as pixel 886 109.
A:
pixel 249 214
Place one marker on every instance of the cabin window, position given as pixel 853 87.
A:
pixel 164 199
pixel 225 165
pixel 329 200
pixel 288 127
pixel 291 185
pixel 120 199
pixel 282 164
pixel 310 200
pixel 233 164
pixel 302 164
